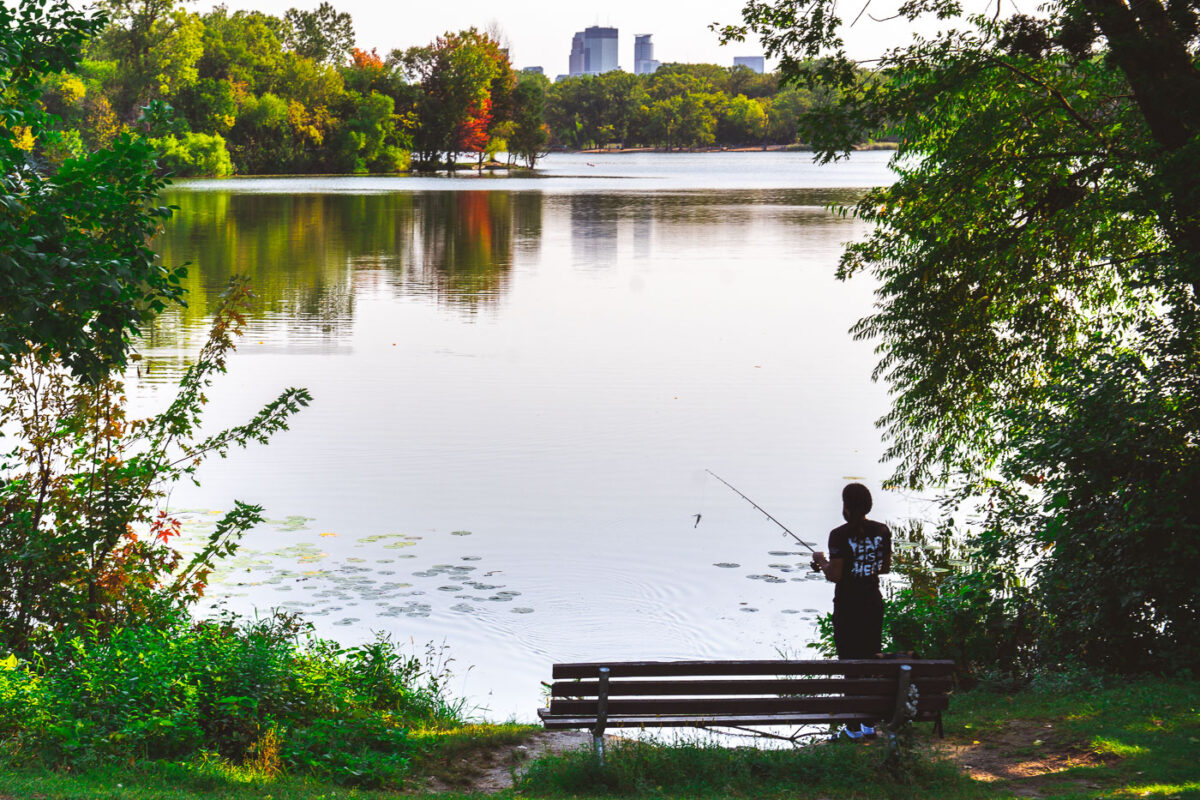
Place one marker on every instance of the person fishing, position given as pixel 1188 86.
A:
pixel 859 552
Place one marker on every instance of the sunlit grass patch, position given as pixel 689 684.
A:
pixel 1109 746
pixel 200 778
pixel 448 743
pixel 1173 791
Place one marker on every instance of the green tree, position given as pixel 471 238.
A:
pixel 243 48
pixel 784 114
pixel 570 111
pixel 209 105
pixel 529 135
pixel 156 46
pixel 621 97
pixel 83 542
pixel 262 140
pixel 80 542
pixel 456 74
pixel 676 80
pixel 1038 260
pixel 743 80
pixel 77 278
pixel 744 121
pixel 193 154
pixel 687 120
pixel 325 34
pixel 368 136
pixel 367 72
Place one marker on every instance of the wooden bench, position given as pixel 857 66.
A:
pixel 746 694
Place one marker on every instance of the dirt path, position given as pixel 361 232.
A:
pixel 494 770
pixel 1026 754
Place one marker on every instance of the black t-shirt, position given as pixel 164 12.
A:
pixel 863 551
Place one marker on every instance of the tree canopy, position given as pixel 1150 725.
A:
pixel 77 278
pixel 1038 260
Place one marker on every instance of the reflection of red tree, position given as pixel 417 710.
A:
pixel 471 135
pixel 475 225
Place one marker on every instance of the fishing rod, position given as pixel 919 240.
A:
pixel 763 510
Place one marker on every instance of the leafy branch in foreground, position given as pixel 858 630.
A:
pixel 1038 301
pixel 78 279
pixel 81 536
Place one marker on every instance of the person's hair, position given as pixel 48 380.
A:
pixel 856 499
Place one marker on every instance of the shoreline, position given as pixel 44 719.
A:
pixel 769 148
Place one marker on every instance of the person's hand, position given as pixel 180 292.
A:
pixel 819 561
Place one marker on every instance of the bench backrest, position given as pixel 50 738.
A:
pixel 699 688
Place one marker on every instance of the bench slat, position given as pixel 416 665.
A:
pixel 641 669
pixel 551 722
pixel 777 687
pixel 880 706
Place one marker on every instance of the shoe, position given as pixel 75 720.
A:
pixel 846 733
pixel 867 731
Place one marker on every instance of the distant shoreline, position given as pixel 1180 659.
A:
pixel 770 148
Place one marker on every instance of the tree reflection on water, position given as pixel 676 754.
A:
pixel 305 253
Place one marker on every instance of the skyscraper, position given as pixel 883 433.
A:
pixel 755 63
pixel 593 51
pixel 578 65
pixel 643 55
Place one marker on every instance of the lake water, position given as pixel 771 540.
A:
pixel 518 385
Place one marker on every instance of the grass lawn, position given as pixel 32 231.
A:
pixel 1126 740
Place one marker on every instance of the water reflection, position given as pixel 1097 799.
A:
pixel 465 243
pixel 594 228
pixel 302 251
pixel 551 372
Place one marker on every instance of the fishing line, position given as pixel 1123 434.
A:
pixel 763 510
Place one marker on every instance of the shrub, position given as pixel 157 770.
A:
pixel 82 542
pixel 955 599
pixel 190 154
pixel 264 692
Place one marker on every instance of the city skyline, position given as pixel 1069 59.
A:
pixel 539 34
pixel 594 51
pixel 644 62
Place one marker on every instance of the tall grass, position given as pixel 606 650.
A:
pixel 707 768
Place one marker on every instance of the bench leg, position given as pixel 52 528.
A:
pixel 601 716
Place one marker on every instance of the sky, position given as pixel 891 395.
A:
pixel 539 32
